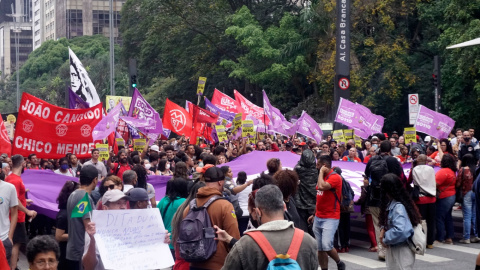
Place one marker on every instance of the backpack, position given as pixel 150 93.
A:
pixel 196 239
pixel 378 168
pixel 279 261
pixel 347 195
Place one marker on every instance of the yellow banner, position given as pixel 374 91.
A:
pixel 103 150
pixel 112 101
pixel 347 134
pixel 139 144
pixel 410 135
pixel 221 134
pixel 358 141
pixel 201 85
pixel 338 136
pixel 248 130
pixel 120 142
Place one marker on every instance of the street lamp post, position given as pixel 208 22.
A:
pixel 17 30
pixel 112 55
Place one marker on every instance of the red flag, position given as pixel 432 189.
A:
pixel 5 145
pixel 247 107
pixel 177 119
pixel 224 102
pixel 200 115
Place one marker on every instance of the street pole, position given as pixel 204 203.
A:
pixel 112 55
pixel 17 32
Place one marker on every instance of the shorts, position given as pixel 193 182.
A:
pixel 8 248
pixel 20 234
pixel 324 230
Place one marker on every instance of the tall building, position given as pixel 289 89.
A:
pixel 15 21
pixel 54 19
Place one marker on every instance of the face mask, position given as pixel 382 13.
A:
pixel 64 167
pixel 147 166
pixel 466 139
pixel 167 166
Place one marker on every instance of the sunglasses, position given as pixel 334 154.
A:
pixel 110 186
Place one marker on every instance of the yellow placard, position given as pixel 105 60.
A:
pixel 248 130
pixel 348 134
pixel 410 135
pixel 112 101
pixel 103 151
pixel 139 144
pixel 120 142
pixel 358 141
pixel 221 134
pixel 201 85
pixel 11 119
pixel 338 136
pixel 237 123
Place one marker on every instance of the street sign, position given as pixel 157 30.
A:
pixel 343 83
pixel 413 106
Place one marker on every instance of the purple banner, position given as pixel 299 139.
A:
pixel 108 124
pixel 216 110
pixel 139 108
pixel 76 102
pixel 307 126
pixel 276 117
pixel 433 123
pixel 45 185
pixel 347 113
pixel 378 124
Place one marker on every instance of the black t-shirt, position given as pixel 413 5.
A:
pixel 472 149
pixel 62 224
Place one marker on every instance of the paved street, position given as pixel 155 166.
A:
pixel 457 256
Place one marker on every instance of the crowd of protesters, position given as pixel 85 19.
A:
pixel 297 212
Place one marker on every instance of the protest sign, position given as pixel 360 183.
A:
pixel 338 136
pixel 131 239
pixel 248 131
pixel 221 134
pixel 410 135
pixel 139 144
pixel 237 123
pixel 348 134
pixel 201 85
pixel 10 129
pixel 433 123
pixel 112 101
pixel 120 142
pixel 51 132
pixel 103 151
pixel 358 141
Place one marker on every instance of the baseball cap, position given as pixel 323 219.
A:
pixel 204 168
pixel 374 138
pixel 427 139
pixel 213 174
pixel 155 148
pixel 394 132
pixel 113 195
pixel 137 194
pixel 88 172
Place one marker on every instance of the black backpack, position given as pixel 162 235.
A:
pixel 347 194
pixel 378 168
pixel 196 239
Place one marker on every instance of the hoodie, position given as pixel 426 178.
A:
pixel 307 172
pixel 222 214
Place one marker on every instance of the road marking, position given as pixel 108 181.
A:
pixel 459 248
pixel 365 262
pixel 426 257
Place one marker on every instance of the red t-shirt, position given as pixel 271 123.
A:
pixel 121 170
pixel 446 180
pixel 327 205
pixel 20 187
pixel 366 159
pixel 355 159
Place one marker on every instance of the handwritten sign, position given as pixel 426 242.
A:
pixel 410 135
pixel 131 239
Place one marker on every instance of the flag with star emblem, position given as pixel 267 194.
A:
pixel 177 119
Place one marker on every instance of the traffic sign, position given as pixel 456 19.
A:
pixel 413 107
pixel 343 83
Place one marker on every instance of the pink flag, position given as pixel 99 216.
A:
pixel 224 102
pixel 247 107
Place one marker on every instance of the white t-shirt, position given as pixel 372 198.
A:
pixel 8 199
pixel 150 191
pixel 68 173
pixel 243 199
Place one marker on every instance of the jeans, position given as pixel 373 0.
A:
pixel 324 230
pixel 469 215
pixel 444 218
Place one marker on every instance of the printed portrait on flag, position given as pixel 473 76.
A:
pixel 80 82
pixel 112 101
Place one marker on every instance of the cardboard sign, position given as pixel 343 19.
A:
pixel 103 151
pixel 358 141
pixel 248 130
pixel 201 85
pixel 131 239
pixel 410 135
pixel 348 134
pixel 237 123
pixel 120 142
pixel 139 144
pixel 112 101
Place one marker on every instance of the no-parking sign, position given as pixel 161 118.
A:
pixel 413 106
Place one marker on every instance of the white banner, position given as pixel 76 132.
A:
pixel 131 239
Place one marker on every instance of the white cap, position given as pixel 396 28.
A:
pixel 427 139
pixel 155 148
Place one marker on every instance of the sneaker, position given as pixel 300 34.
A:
pixel 474 240
pixel 437 243
pixel 341 265
pixel 450 241
pixel 464 241
pixel 430 246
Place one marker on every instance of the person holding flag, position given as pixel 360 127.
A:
pixel 79 206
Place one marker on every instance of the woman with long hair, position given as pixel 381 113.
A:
pixel 465 178
pixel 181 264
pixel 175 195
pixel 164 167
pixel 142 183
pixel 181 170
pixel 398 216
pixel 61 231
pixel 444 148
pixel 445 179
pixel 287 181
